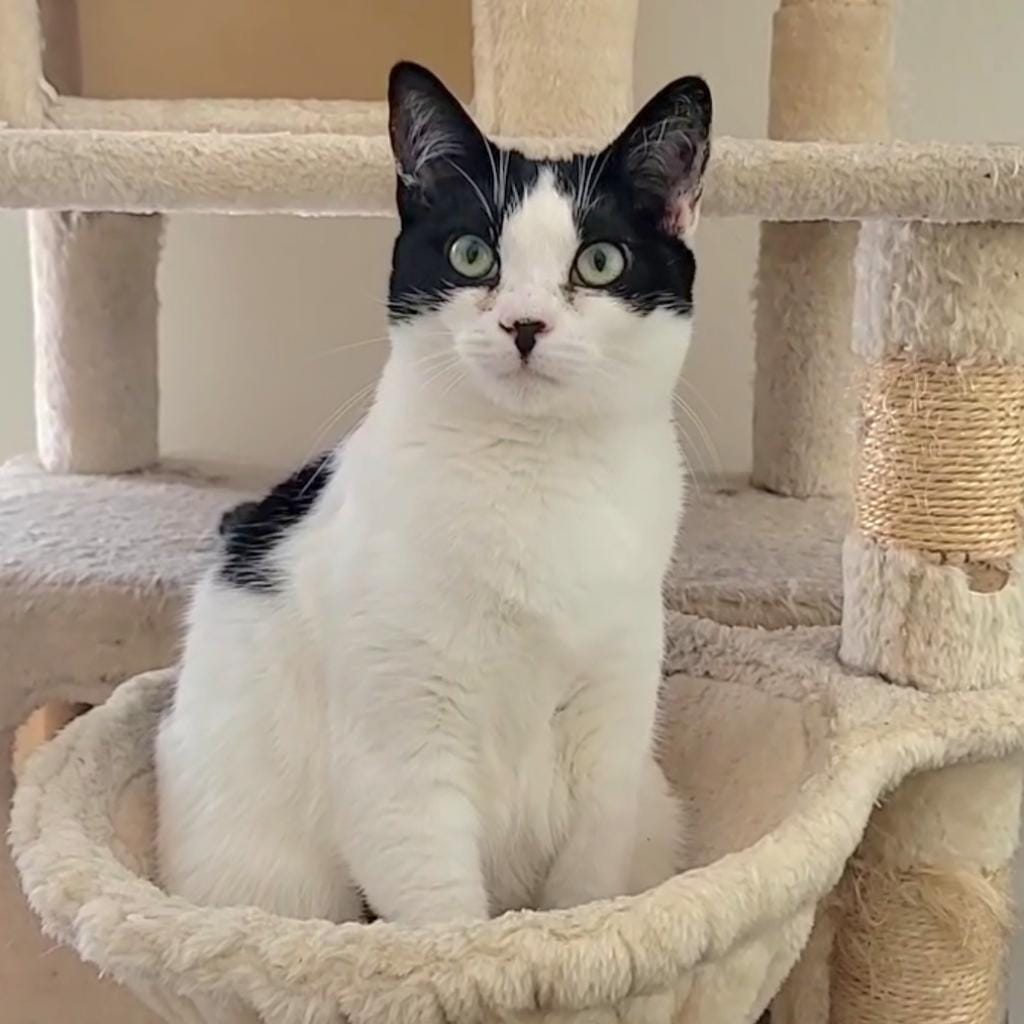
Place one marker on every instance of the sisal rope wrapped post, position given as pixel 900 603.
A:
pixel 933 598
pixel 94 295
pixel 554 69
pixel 830 71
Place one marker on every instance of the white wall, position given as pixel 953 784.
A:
pixel 255 309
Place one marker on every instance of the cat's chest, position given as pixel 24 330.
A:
pixel 536 534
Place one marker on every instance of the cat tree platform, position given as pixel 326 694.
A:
pixel 784 739
pixel 95 571
pixel 782 752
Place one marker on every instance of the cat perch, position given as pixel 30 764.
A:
pixel 901 684
pixel 323 173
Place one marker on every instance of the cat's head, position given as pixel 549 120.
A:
pixel 551 288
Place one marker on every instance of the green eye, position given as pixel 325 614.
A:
pixel 471 256
pixel 599 264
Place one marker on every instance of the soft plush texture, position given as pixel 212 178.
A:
pixel 96 340
pixel 719 939
pixel 792 749
pixel 830 73
pixel 749 558
pixel 100 567
pixel 94 573
pixel 318 173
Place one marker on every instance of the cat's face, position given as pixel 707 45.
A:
pixel 552 288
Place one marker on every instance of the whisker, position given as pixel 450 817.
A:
pixel 349 346
pixel 476 189
pixel 455 382
pixel 337 415
pixel 704 454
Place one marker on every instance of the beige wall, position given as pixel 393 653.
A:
pixel 254 309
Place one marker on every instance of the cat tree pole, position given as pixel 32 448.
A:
pixel 93 284
pixel 516 80
pixel 830 70
pixel 934 599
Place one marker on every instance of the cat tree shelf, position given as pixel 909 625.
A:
pixel 794 735
pixel 349 170
pixel 95 571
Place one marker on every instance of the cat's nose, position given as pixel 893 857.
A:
pixel 524 334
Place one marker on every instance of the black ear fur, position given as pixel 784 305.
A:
pixel 665 149
pixel 431 133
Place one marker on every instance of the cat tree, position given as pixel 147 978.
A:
pixel 807 896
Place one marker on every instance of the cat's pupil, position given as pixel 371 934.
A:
pixel 600 258
pixel 472 253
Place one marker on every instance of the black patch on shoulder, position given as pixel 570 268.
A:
pixel 252 530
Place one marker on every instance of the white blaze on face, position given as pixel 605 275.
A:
pixel 595 354
pixel 537 246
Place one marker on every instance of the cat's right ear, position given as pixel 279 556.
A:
pixel 665 151
pixel 432 136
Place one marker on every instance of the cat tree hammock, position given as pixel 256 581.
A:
pixel 856 779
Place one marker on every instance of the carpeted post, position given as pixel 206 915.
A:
pixel 830 71
pixel 933 599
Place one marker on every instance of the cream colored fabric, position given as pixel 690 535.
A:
pixel 321 173
pixel 748 558
pixel 921 624
pixel 803 439
pixel 95 304
pixel 803 748
pixel 22 90
pixel 942 293
pixel 934 600
pixel 830 72
pixel 964 818
pixel 355 117
pixel 42 983
pixel 527 51
pixel 949 295
pixel 805 996
pixel 94 572
pixel 831 65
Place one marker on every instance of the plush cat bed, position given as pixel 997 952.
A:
pixel 782 753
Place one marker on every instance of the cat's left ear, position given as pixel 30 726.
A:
pixel 432 136
pixel 664 151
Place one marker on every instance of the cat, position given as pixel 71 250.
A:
pixel 424 671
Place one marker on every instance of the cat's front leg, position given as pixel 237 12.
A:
pixel 410 829
pixel 606 741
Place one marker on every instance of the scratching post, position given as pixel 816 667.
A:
pixel 829 80
pixel 925 902
pixel 95 301
pixel 522 59
pixel 95 304
pixel 21 69
pixel 933 599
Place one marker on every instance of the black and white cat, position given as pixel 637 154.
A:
pixel 426 667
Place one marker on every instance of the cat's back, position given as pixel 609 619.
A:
pixel 243 740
